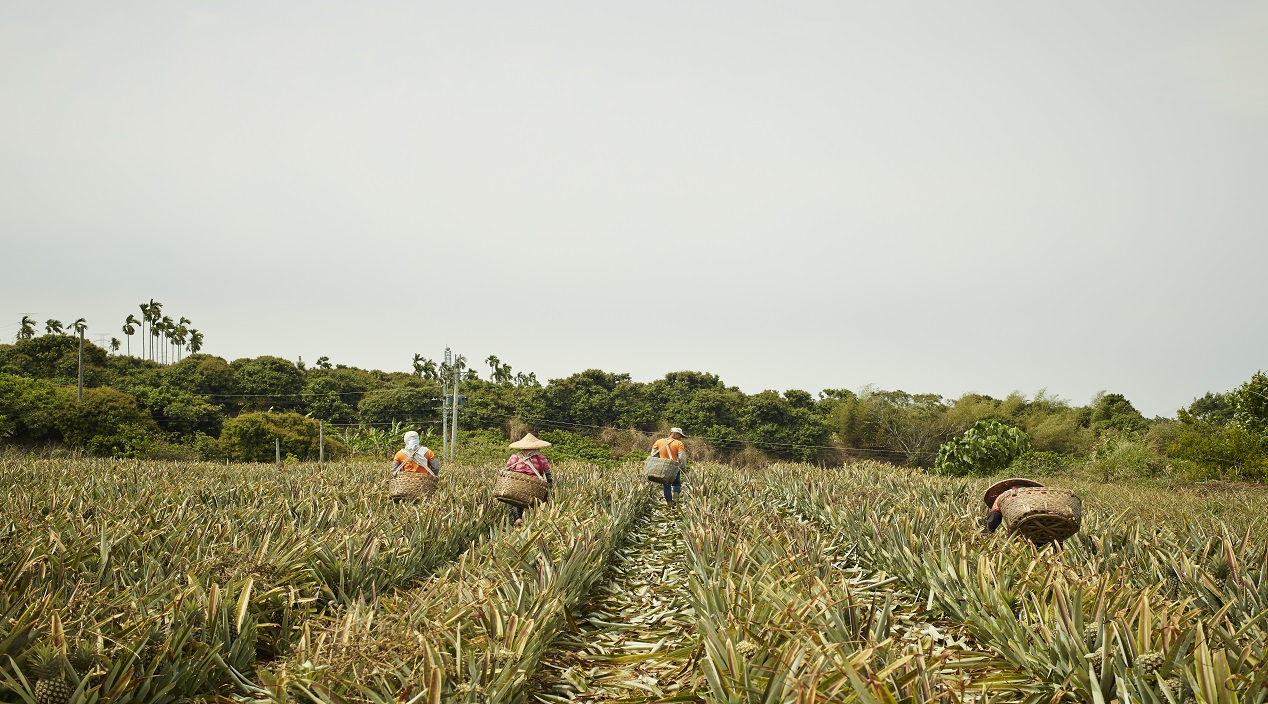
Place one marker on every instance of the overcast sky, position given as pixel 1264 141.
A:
pixel 940 197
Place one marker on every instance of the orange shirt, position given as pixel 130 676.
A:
pixel 409 464
pixel 668 448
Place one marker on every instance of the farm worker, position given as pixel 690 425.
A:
pixel 996 494
pixel 529 460
pixel 672 448
pixel 415 458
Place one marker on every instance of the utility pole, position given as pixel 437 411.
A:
pixel 81 364
pixel 453 427
pixel 277 450
pixel 321 442
pixel 444 406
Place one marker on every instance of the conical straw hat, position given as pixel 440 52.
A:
pixel 529 442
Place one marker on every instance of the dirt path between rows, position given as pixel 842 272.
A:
pixel 633 640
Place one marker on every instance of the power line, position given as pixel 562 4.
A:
pixel 319 393
pixel 706 437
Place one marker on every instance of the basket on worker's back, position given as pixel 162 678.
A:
pixel 519 489
pixel 1042 515
pixel 661 470
pixel 412 485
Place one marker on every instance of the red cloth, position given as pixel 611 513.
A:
pixel 1002 494
pixel 540 463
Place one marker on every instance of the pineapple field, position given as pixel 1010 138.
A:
pixel 147 581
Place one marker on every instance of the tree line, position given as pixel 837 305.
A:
pixel 138 406
pixel 169 339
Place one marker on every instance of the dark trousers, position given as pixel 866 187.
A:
pixel 517 512
pixel 993 519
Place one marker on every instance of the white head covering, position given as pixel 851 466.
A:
pixel 411 441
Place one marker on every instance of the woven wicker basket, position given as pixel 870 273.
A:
pixel 1042 515
pixel 661 470
pixel 519 489
pixel 411 485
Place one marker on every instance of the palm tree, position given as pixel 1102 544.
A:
pixel 26 328
pixel 323 362
pixel 155 331
pixel 471 375
pixel 178 337
pixel 80 326
pixel 418 364
pixel 429 370
pixel 165 327
pixel 156 312
pixel 502 374
pixel 195 341
pixel 182 331
pixel 145 318
pixel 114 345
pixel 129 328
pixel 493 362
pixel 53 327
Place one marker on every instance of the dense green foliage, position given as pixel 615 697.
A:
pixel 1225 435
pixel 189 406
pixel 987 447
pixel 250 438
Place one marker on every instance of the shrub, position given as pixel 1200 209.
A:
pixel 1114 412
pixel 1040 463
pixel 987 447
pixel 180 412
pixel 407 404
pixel 53 357
pixel 482 447
pixel 30 407
pixel 1250 405
pixel 571 446
pixel 1124 455
pixel 250 437
pixel 267 377
pixel 202 374
pixel 1204 451
pixel 106 422
pixel 1061 433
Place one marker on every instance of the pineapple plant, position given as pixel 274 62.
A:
pixel 53 685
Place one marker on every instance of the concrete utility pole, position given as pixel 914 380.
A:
pixel 321 442
pixel 444 406
pixel 277 450
pixel 81 364
pixel 453 444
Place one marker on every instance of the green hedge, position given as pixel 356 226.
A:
pixel 250 438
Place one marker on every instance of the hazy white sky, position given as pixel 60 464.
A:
pixel 941 197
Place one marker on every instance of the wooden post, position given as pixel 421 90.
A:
pixel 321 442
pixel 277 450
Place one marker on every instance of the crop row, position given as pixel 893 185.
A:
pixel 179 577
pixel 784 616
pixel 1082 621
pixel 476 630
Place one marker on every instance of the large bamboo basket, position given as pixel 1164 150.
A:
pixel 412 485
pixel 519 489
pixel 661 470
pixel 1042 515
